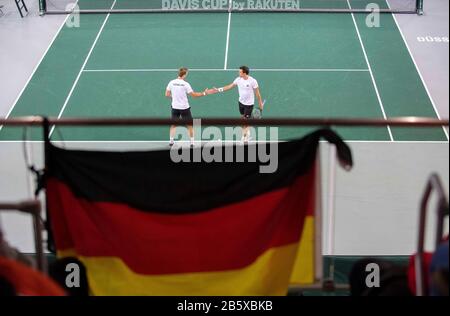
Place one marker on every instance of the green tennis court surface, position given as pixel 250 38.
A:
pixel 307 65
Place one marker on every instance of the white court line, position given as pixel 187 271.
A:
pixel 35 68
pixel 370 71
pixel 418 70
pixel 216 69
pixel 82 67
pixel 228 38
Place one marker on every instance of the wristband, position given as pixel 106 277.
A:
pixel 220 89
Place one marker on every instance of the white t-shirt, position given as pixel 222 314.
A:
pixel 246 89
pixel 179 90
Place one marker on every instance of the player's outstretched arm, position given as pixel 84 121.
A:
pixel 225 88
pixel 199 94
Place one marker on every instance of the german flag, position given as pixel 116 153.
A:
pixel 145 225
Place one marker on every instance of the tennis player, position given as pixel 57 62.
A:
pixel 248 88
pixel 178 90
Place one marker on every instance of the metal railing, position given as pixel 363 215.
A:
pixel 434 184
pixel 374 122
pixel 32 207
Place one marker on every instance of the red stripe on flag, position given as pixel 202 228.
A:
pixel 229 237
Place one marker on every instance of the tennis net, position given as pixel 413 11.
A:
pixel 235 6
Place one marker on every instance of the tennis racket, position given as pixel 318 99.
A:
pixel 257 112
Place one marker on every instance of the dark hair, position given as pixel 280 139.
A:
pixel 57 271
pixel 393 279
pixel 6 287
pixel 245 69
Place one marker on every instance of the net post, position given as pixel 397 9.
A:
pixel 42 7
pixel 419 7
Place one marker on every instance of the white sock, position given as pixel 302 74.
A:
pixel 192 140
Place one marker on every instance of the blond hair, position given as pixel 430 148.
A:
pixel 182 72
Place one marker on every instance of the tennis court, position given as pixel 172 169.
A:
pixel 307 65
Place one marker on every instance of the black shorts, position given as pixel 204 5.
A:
pixel 181 114
pixel 245 110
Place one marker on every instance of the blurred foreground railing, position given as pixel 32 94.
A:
pixel 32 207
pixel 434 185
